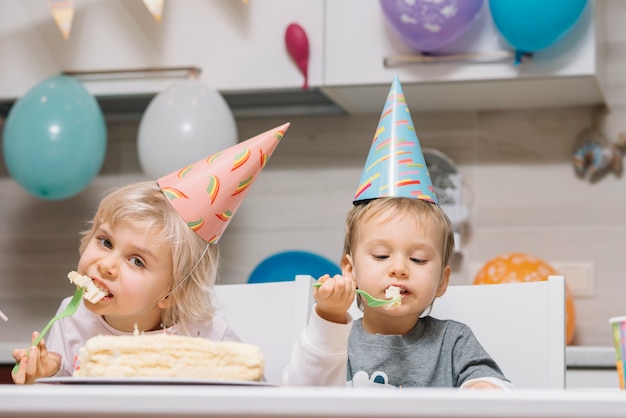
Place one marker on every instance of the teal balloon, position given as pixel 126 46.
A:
pixel 55 139
pixel 532 25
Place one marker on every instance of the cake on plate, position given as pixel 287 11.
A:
pixel 169 356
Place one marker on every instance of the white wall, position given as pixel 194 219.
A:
pixel 517 164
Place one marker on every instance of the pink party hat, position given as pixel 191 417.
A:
pixel 395 165
pixel 208 192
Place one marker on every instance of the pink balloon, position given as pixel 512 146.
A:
pixel 297 44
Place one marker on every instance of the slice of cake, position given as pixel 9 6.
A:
pixel 92 293
pixel 175 356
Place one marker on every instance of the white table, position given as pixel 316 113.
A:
pixel 44 400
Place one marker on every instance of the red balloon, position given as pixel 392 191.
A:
pixel 297 44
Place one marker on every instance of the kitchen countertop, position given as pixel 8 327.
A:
pixel 6 347
pixel 583 357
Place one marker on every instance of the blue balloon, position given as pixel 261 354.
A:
pixel 284 267
pixel 532 25
pixel 55 139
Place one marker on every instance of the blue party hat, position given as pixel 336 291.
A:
pixel 395 166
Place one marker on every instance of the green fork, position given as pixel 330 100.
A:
pixel 371 300
pixel 69 310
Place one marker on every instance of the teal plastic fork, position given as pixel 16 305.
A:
pixel 371 300
pixel 69 310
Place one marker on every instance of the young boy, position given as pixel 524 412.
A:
pixel 152 248
pixel 396 236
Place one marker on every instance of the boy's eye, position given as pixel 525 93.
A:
pixel 136 261
pixel 418 260
pixel 380 257
pixel 105 243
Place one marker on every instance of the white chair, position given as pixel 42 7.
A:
pixel 270 315
pixel 521 325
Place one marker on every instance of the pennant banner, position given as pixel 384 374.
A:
pixel 155 7
pixel 63 13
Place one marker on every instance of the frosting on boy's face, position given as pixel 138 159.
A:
pixel 399 251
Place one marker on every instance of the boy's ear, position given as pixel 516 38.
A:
pixel 347 267
pixel 443 282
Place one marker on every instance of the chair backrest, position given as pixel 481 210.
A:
pixel 521 325
pixel 271 315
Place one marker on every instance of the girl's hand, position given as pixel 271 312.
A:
pixel 35 362
pixel 334 298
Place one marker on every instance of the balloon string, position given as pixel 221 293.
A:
pixel 519 55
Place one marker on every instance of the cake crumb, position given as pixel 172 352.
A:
pixel 393 293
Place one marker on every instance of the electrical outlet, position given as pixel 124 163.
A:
pixel 579 275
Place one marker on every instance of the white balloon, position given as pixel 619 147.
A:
pixel 181 125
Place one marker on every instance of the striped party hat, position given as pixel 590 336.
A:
pixel 395 166
pixel 208 192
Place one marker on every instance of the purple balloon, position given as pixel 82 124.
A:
pixel 427 25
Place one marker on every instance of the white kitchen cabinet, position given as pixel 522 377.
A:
pixel 240 50
pixel 239 46
pixel 358 38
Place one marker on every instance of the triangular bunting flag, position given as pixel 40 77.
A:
pixel 63 13
pixel 155 7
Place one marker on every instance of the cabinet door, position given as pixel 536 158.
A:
pixel 237 45
pixel 358 39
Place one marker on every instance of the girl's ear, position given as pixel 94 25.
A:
pixel 443 282
pixel 164 303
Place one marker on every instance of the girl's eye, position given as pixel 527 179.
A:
pixel 136 261
pixel 381 257
pixel 418 260
pixel 105 243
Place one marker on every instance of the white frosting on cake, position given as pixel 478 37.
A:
pixel 92 293
pixel 163 355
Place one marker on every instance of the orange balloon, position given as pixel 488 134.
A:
pixel 520 267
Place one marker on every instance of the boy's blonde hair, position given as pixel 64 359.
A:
pixel 144 206
pixel 423 211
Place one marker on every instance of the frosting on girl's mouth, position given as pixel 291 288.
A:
pixel 93 293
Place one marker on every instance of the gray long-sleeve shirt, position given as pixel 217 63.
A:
pixel 435 353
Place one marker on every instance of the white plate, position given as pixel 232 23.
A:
pixel 69 380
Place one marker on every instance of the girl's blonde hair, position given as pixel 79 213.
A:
pixel 194 261
pixel 423 211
